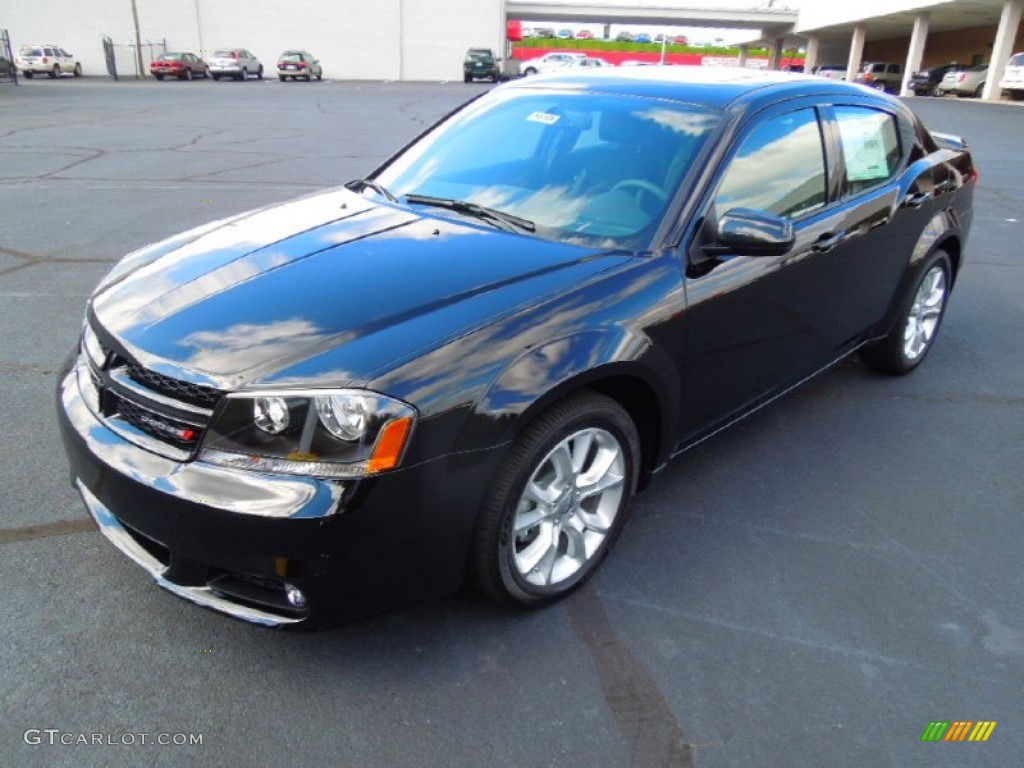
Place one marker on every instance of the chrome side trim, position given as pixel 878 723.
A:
pixel 116 534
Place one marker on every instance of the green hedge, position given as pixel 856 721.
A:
pixel 616 45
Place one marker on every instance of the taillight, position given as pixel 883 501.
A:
pixel 961 77
pixel 45 60
pixel 234 55
pixel 868 77
pixel 301 65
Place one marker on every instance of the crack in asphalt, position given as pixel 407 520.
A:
pixel 47 530
pixel 649 728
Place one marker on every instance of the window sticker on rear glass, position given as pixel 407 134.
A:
pixel 544 117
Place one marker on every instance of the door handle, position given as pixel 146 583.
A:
pixel 916 200
pixel 828 241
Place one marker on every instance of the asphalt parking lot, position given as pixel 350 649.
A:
pixel 811 588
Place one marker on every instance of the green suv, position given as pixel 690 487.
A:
pixel 480 64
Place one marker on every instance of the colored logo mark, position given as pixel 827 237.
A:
pixel 958 730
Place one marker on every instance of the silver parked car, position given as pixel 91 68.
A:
pixel 298 65
pixel 237 63
pixel 969 82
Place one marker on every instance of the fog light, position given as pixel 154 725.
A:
pixel 295 597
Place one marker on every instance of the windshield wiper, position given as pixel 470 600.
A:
pixel 380 189
pixel 501 219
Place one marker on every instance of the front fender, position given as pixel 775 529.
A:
pixel 614 358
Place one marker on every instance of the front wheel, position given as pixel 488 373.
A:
pixel 529 71
pixel 259 73
pixel 558 503
pixel 78 70
pixel 920 315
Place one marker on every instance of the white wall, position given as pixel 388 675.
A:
pixel 354 39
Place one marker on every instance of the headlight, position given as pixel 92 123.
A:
pixel 327 433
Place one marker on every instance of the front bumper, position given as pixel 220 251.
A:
pixel 241 542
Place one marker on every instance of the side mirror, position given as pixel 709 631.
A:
pixel 747 232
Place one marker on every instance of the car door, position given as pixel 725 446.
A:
pixel 757 324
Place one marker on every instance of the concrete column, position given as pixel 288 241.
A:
pixel 744 54
pixel 1002 48
pixel 917 40
pixel 811 59
pixel 856 52
pixel 777 49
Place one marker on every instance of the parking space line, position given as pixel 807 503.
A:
pixel 46 530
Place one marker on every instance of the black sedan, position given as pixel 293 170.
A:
pixel 926 82
pixel 469 362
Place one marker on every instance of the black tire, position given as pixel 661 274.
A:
pixel 467 79
pixel 55 72
pixel 28 75
pixel 903 348
pixel 282 78
pixel 77 72
pixel 936 91
pixel 978 90
pixel 601 430
pixel 215 77
pixel 259 73
pixel 529 71
pixel 187 75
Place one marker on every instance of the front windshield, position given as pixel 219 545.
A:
pixel 590 168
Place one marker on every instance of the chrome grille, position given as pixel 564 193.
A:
pixel 134 400
pixel 156 424
pixel 195 394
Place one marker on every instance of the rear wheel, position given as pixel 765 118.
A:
pixel 529 71
pixel 216 77
pixel 78 70
pixel 978 90
pixel 880 86
pixel 187 75
pixel 936 91
pixel 55 72
pixel 28 74
pixel 245 75
pixel 558 503
pixel 259 73
pixel 282 78
pixel 159 77
pixel 920 315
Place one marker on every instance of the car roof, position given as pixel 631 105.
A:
pixel 716 87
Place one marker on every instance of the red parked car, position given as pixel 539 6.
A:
pixel 183 66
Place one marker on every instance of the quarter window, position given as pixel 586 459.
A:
pixel 871 146
pixel 780 168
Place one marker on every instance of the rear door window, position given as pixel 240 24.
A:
pixel 871 147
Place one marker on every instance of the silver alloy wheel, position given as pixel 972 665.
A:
pixel 925 313
pixel 568 506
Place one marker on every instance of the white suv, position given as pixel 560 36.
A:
pixel 49 60
pixel 1013 77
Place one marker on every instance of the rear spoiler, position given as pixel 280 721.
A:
pixel 949 141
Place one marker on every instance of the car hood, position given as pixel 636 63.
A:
pixel 331 287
